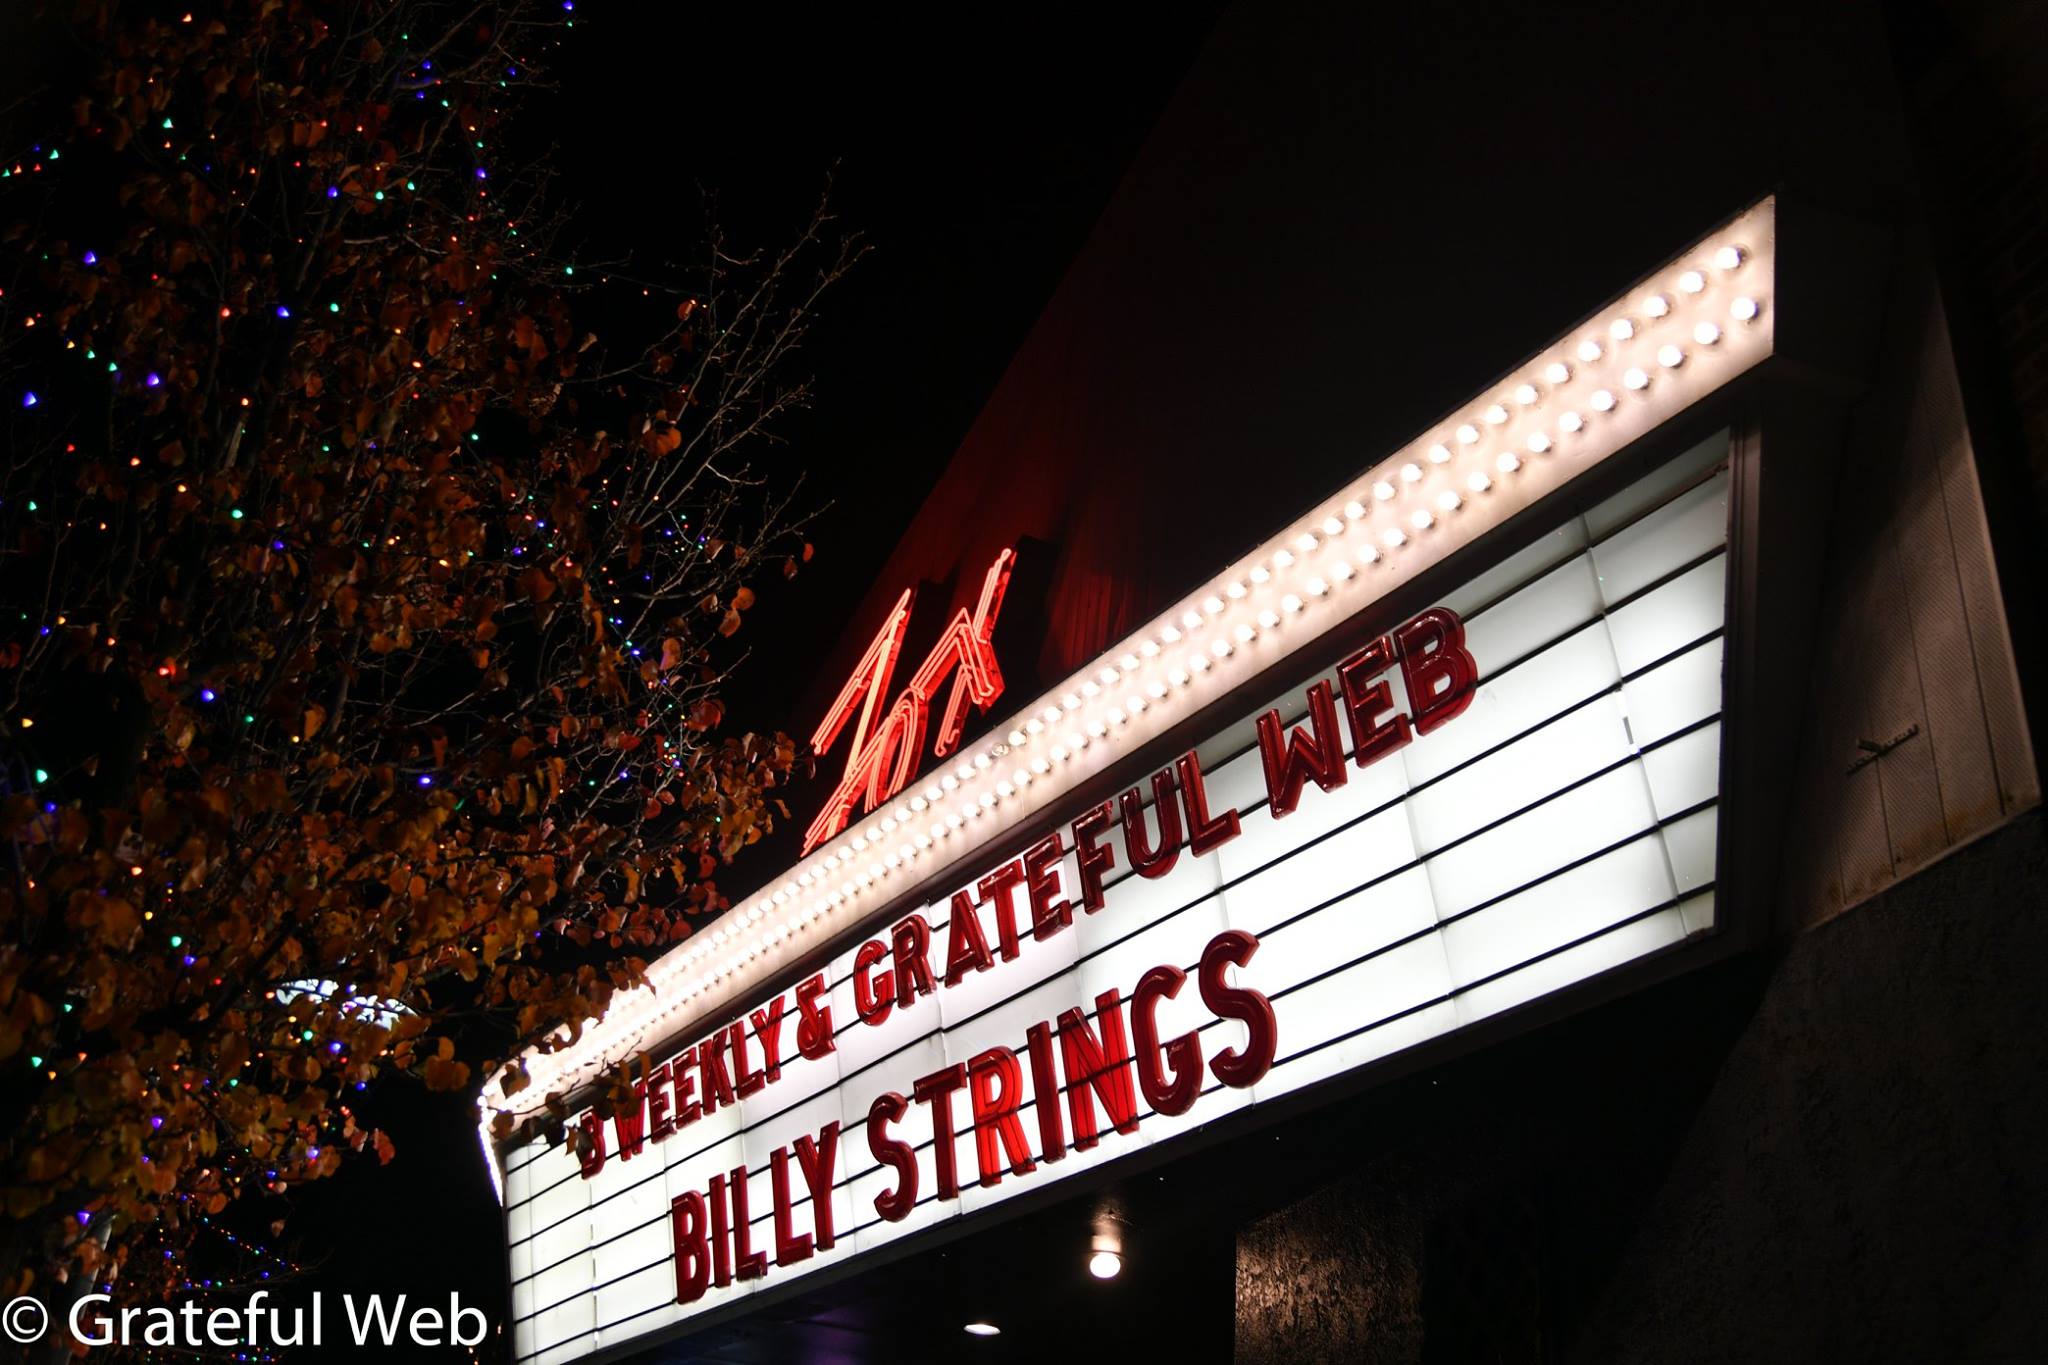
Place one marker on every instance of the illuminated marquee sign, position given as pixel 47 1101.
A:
pixel 884 756
pixel 1510 792
pixel 1515 790
pixel 986 927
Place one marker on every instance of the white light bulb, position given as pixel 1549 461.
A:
pixel 1506 462
pixel 1282 558
pixel 1392 538
pixel 1478 482
pixel 1742 310
pixel 1316 588
pixel 1421 520
pixel 1706 334
pixel 1556 372
pixel 1670 357
pixel 1525 394
pixel 1570 422
pixel 1538 442
pixel 1633 378
pixel 1602 400
pixel 1495 414
pixel 1448 501
pixel 1383 490
pixel 1728 257
pixel 1468 434
pixel 1368 555
pixel 1589 351
pixel 1656 305
pixel 1621 329
pixel 1356 509
pixel 1289 603
pixel 1411 473
pixel 1439 453
pixel 1235 591
pixel 1692 281
pixel 1103 1265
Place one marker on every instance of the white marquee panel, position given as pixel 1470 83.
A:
pixel 1563 825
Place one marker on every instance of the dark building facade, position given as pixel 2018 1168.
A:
pixel 1744 311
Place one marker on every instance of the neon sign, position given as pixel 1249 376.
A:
pixel 884 755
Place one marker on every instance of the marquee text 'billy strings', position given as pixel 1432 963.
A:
pixel 1111 1058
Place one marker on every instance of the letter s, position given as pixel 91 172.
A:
pixel 1234 1066
pixel 894 1205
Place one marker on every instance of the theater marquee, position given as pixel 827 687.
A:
pixel 1058 950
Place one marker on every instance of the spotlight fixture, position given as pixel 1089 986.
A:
pixel 1106 1242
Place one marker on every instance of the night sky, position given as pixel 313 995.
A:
pixel 973 161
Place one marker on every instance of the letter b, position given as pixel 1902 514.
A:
pixel 458 1312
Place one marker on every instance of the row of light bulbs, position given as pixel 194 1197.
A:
pixel 1374 524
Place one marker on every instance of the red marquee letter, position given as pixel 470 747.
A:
pixel 1436 667
pixel 1099 1067
pixel 1313 754
pixel 1205 833
pixel 874 992
pixel 1159 860
pixel 693 1268
pixel 1183 1055
pixel 1093 859
pixel 995 1090
pixel 1367 698
pixel 894 1205
pixel 1232 1066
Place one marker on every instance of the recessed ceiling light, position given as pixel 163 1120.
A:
pixel 1105 1265
pixel 982 1329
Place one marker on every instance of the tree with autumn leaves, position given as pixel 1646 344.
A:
pixel 366 616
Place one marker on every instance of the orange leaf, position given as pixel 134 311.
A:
pixel 442 1074
pixel 536 584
